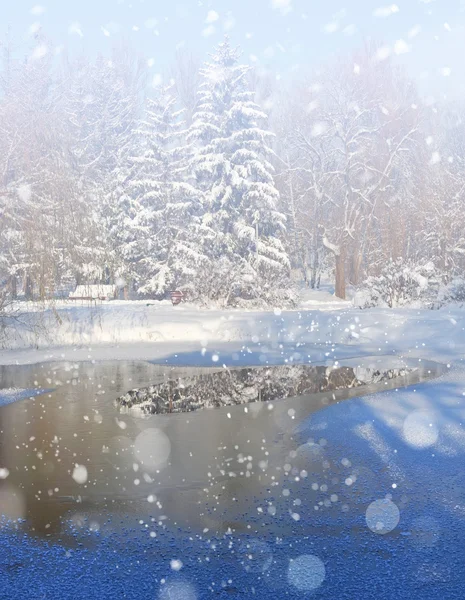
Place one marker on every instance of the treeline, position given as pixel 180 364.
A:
pixel 219 181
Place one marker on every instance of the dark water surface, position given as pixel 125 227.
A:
pixel 76 464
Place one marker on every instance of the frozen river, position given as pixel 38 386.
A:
pixel 307 495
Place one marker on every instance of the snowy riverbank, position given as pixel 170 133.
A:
pixel 161 332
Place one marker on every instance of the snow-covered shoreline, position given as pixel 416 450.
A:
pixel 163 333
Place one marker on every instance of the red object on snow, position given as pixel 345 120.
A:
pixel 176 297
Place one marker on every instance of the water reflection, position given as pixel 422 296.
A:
pixel 189 392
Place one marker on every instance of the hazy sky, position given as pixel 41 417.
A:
pixel 426 35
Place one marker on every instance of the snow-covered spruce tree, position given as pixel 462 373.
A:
pixel 104 105
pixel 155 210
pixel 231 163
pixel 119 211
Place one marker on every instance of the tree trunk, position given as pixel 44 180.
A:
pixel 443 253
pixel 340 277
pixel 339 255
pixel 13 287
pixel 28 288
pixel 356 264
pixel 315 268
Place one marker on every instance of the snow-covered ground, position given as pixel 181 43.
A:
pixel 161 332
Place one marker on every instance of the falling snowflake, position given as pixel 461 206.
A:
pixel 306 572
pixel 331 27
pixel 75 29
pixel 176 565
pixel 283 6
pixel 414 31
pixel 37 10
pixel 208 31
pixel 318 129
pixel 382 516
pixel 212 16
pixel 383 53
pixel 401 47
pixel 24 192
pixel 386 11
pixel 80 474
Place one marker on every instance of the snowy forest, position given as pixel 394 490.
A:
pixel 225 181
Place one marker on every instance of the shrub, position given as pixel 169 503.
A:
pixel 401 283
pixel 452 293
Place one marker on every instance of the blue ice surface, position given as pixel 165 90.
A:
pixel 261 355
pixel 366 568
pixel 10 396
pixel 358 562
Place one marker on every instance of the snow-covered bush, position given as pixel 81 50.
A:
pixel 401 283
pixel 267 296
pixel 452 293
pixel 237 284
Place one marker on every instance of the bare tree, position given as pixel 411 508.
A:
pixel 349 146
pixel 186 75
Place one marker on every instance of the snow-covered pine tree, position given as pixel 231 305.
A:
pixel 159 203
pixel 104 105
pixel 231 163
